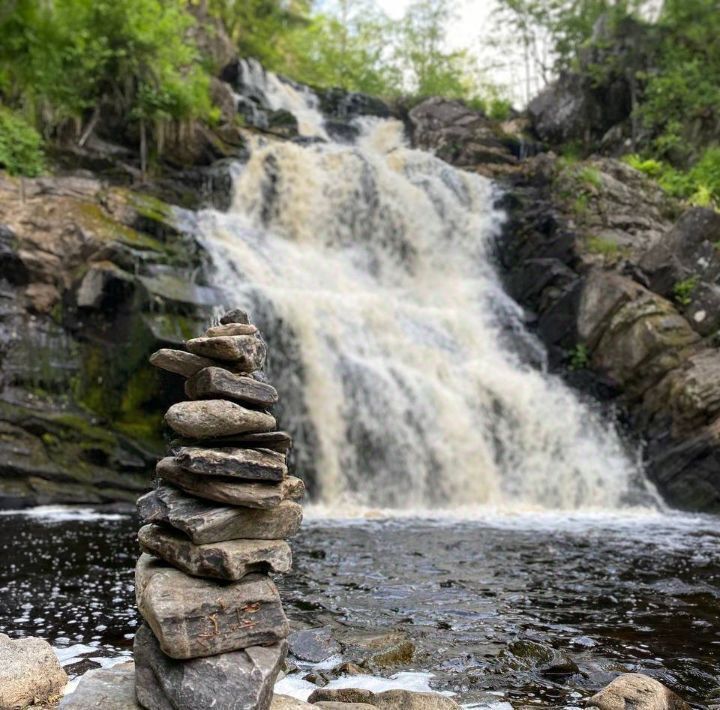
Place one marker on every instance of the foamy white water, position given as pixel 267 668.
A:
pixel 369 266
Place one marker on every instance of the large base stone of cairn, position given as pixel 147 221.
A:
pixel 221 489
pixel 194 618
pixel 239 680
pixel 205 522
pixel 231 560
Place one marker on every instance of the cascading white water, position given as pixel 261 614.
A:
pixel 377 258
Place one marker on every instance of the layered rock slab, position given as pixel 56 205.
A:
pixel 196 618
pixel 239 680
pixel 231 560
pixel 204 522
pixel 249 464
pixel 179 362
pixel 251 494
pixel 246 351
pixel 205 419
pixel 216 382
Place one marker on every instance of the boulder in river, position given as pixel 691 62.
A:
pixel 635 691
pixel 29 672
pixel 313 645
pixel 104 689
pixel 250 464
pixel 194 618
pixel 205 522
pixel 387 700
pixel 241 680
pixel 216 382
pixel 231 560
pixel 247 352
pixel 205 419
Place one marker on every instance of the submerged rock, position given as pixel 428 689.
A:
pixel 204 522
pixel 216 417
pixel 247 352
pixel 29 672
pixel 231 560
pixel 313 645
pixel 635 691
pixel 215 382
pixel 239 680
pixel 381 649
pixel 179 361
pixel 104 689
pixel 194 618
pixel 251 464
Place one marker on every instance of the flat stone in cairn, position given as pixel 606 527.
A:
pixel 231 560
pixel 276 440
pixel 230 329
pixel 215 382
pixel 247 351
pixel 249 464
pixel 236 315
pixel 231 491
pixel 239 680
pixel 194 618
pixel 179 362
pixel 205 419
pixel 206 522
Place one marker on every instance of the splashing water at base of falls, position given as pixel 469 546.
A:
pixel 369 267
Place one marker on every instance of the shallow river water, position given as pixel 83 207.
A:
pixel 484 599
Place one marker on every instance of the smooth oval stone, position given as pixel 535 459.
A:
pixel 246 351
pixel 204 419
pixel 241 680
pixel 228 490
pixel 251 464
pixel 215 382
pixel 236 315
pixel 205 522
pixel 231 329
pixel 195 618
pixel 230 560
pixel 179 362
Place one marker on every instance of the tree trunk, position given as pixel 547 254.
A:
pixel 143 148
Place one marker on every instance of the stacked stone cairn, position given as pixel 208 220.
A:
pixel 215 526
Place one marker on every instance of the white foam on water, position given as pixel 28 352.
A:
pixel 64 513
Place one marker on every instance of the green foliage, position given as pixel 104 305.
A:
pixel 590 177
pixel 579 357
pixel 603 247
pixel 20 145
pixel 683 290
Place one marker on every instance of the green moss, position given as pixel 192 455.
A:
pixel 590 177
pixel 604 247
pixel 683 290
pixel 579 357
pixel 580 205
pixel 95 219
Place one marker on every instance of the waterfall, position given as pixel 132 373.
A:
pixel 409 379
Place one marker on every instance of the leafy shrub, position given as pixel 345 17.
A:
pixel 579 357
pixel 604 247
pixel 20 145
pixel 683 290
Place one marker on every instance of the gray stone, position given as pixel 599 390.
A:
pixel 204 522
pixel 377 649
pixel 235 316
pixel 230 329
pixel 179 362
pixel 231 560
pixel 104 689
pixel 250 494
pixel 195 618
pixel 29 671
pixel 286 702
pixel 250 464
pixel 637 692
pixel 238 680
pixel 313 645
pixel 342 695
pixel 388 700
pixel 275 440
pixel 215 382
pixel 246 351
pixel 330 705
pixel 205 419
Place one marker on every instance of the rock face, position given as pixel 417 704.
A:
pixel 215 628
pixel 29 672
pixel 636 691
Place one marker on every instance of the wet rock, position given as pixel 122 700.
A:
pixel 313 645
pixel 179 362
pixel 250 464
pixel 635 691
pixel 285 702
pixel 204 522
pixel 29 672
pixel 235 316
pixel 388 700
pixel 231 491
pixel 378 649
pixel 104 689
pixel 238 680
pixel 205 419
pixel 231 560
pixel 525 654
pixel 342 695
pixel 246 351
pixel 231 329
pixel 275 440
pixel 194 618
pixel 217 383
pixel 329 705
